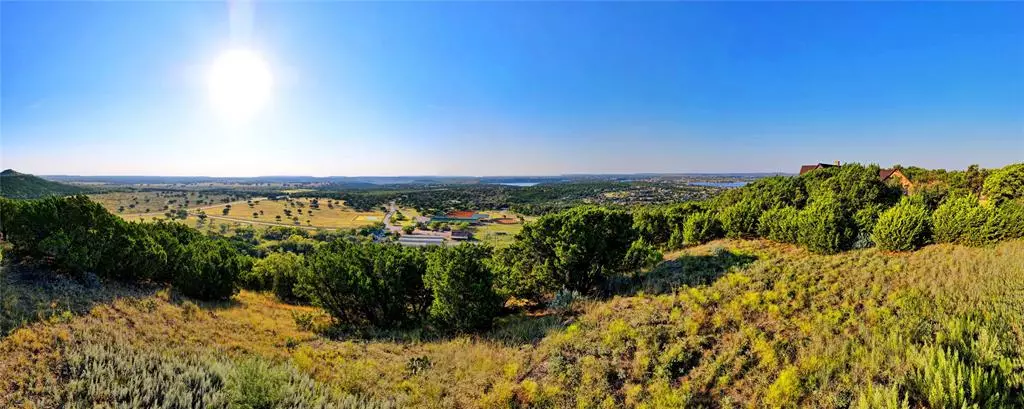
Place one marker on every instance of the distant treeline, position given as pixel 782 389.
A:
pixel 529 200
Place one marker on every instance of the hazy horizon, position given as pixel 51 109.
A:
pixel 323 89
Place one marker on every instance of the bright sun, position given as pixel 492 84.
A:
pixel 239 82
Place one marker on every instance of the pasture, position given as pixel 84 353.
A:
pixel 134 203
pixel 497 235
pixel 310 212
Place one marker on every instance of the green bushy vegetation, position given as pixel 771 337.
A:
pixel 701 228
pixel 358 283
pixel 903 227
pixel 579 249
pixel 77 235
pixel 461 282
pixel 835 209
pixel 1004 184
pixel 780 224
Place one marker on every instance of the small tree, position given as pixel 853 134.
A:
pixel 701 228
pixel 280 272
pixel 461 283
pixel 825 227
pixel 780 224
pixel 641 255
pixel 903 227
pixel 210 270
pixel 408 229
pixel 741 219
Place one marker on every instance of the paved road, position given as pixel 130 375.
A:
pixel 387 217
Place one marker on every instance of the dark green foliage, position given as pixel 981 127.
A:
pixel 173 239
pixel 460 280
pixel 23 186
pixel 578 249
pixel 211 270
pixel 641 255
pixel 652 224
pixel 282 232
pixel 903 227
pixel 1012 213
pixel 780 224
pixel 1005 184
pixel 278 272
pixel 701 228
pixel 285 270
pixel 366 283
pixel 532 200
pixel 825 227
pixel 519 272
pixel 663 226
pixel 962 220
pixel 79 236
pixel 769 193
pixel 854 186
pixel 741 219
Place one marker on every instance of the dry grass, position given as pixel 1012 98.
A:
pixel 135 203
pixel 761 325
pixel 339 217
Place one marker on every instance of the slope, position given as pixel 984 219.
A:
pixel 728 324
pixel 24 186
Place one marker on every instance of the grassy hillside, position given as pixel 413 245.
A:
pixel 24 186
pixel 728 324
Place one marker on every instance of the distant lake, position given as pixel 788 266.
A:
pixel 520 184
pixel 719 184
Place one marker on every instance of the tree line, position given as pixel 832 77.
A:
pixel 830 210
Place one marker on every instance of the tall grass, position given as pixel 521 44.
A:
pixel 731 324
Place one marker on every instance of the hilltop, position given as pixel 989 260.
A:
pixel 755 324
pixel 18 185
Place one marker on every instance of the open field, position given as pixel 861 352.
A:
pixel 129 203
pixel 498 235
pixel 727 324
pixel 299 212
pixel 241 213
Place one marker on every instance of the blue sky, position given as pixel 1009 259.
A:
pixel 475 88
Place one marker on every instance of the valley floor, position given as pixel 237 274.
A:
pixel 728 324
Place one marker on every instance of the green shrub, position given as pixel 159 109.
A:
pixel 278 272
pixel 903 227
pixel 641 255
pixel 825 227
pixel 961 220
pixel 1012 213
pixel 701 228
pixel 780 224
pixel 853 185
pixel 461 283
pixel 578 249
pixel 740 220
pixel 211 270
pixel 1005 184
pixel 366 283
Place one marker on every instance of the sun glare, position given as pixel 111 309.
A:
pixel 239 83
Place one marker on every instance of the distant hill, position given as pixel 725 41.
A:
pixel 24 186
